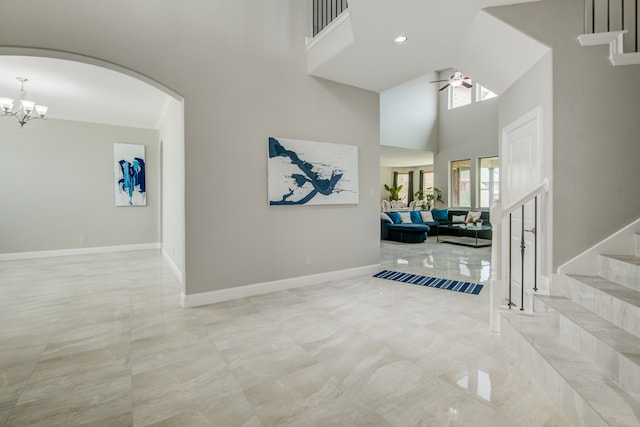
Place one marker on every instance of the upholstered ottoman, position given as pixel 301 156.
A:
pixel 407 233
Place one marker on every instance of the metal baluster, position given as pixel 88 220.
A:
pixel 510 280
pixel 522 248
pixel 535 245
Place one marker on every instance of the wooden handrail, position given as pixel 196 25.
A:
pixel 542 188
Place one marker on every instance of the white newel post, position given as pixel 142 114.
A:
pixel 495 288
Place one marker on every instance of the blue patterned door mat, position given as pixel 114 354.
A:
pixel 433 282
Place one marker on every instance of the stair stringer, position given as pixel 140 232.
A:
pixel 587 263
pixel 614 39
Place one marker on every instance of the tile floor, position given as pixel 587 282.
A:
pixel 101 340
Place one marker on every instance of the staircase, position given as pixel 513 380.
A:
pixel 613 22
pixel 582 343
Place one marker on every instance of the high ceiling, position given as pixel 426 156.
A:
pixel 442 34
pixel 83 92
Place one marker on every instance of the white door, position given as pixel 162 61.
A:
pixel 521 168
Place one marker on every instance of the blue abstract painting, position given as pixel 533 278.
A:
pixel 312 173
pixel 130 174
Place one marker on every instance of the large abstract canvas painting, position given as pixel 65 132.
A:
pixel 312 173
pixel 129 170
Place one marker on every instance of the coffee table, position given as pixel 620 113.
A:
pixel 466 235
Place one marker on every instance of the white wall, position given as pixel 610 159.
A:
pixel 57 183
pixel 409 114
pixel 467 132
pixel 241 68
pixel 595 128
pixel 171 131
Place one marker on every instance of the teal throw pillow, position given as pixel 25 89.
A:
pixel 440 214
pixel 415 217
pixel 395 217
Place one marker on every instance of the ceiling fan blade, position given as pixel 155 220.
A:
pixel 439 81
pixel 443 87
pixel 467 85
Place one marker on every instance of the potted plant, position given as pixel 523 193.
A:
pixel 394 192
pixel 434 195
pixel 420 197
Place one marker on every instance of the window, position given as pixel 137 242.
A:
pixel 482 93
pixel 427 181
pixel 403 179
pixel 461 183
pixel 489 181
pixel 459 96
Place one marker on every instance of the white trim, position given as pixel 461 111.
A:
pixel 615 40
pixel 78 251
pixel 310 42
pixel 176 270
pixel 594 39
pixel 228 294
pixel 630 58
pixel 621 242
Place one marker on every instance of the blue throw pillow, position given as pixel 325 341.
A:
pixel 415 217
pixel 395 217
pixel 440 214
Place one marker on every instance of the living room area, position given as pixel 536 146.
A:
pixel 439 164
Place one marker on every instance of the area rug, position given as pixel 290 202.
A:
pixel 433 282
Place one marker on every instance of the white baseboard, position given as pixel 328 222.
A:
pixel 78 251
pixel 174 267
pixel 229 294
pixel 621 242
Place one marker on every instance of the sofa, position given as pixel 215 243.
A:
pixel 414 226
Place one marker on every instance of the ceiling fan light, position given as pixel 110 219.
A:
pixel 456 83
pixel 41 110
pixel 27 106
pixel 6 104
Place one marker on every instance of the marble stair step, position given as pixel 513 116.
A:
pixel 609 300
pixel 622 269
pixel 615 351
pixel 585 394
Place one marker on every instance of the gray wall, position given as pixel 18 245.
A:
pixel 57 182
pixel 241 68
pixel 467 132
pixel 596 126
pixel 171 132
pixel 535 89
pixel 409 114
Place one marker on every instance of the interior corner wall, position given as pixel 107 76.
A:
pixel 409 114
pixel 467 132
pixel 241 67
pixel 535 89
pixel 57 183
pixel 595 128
pixel 171 131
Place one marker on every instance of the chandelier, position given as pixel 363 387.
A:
pixel 25 110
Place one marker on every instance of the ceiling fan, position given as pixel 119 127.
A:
pixel 457 79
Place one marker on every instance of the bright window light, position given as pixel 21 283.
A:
pixel 483 93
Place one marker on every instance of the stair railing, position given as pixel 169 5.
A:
pixel 519 204
pixel 604 16
pixel 323 12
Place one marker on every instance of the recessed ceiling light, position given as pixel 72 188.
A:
pixel 400 39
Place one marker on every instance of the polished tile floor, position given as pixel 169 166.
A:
pixel 101 340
